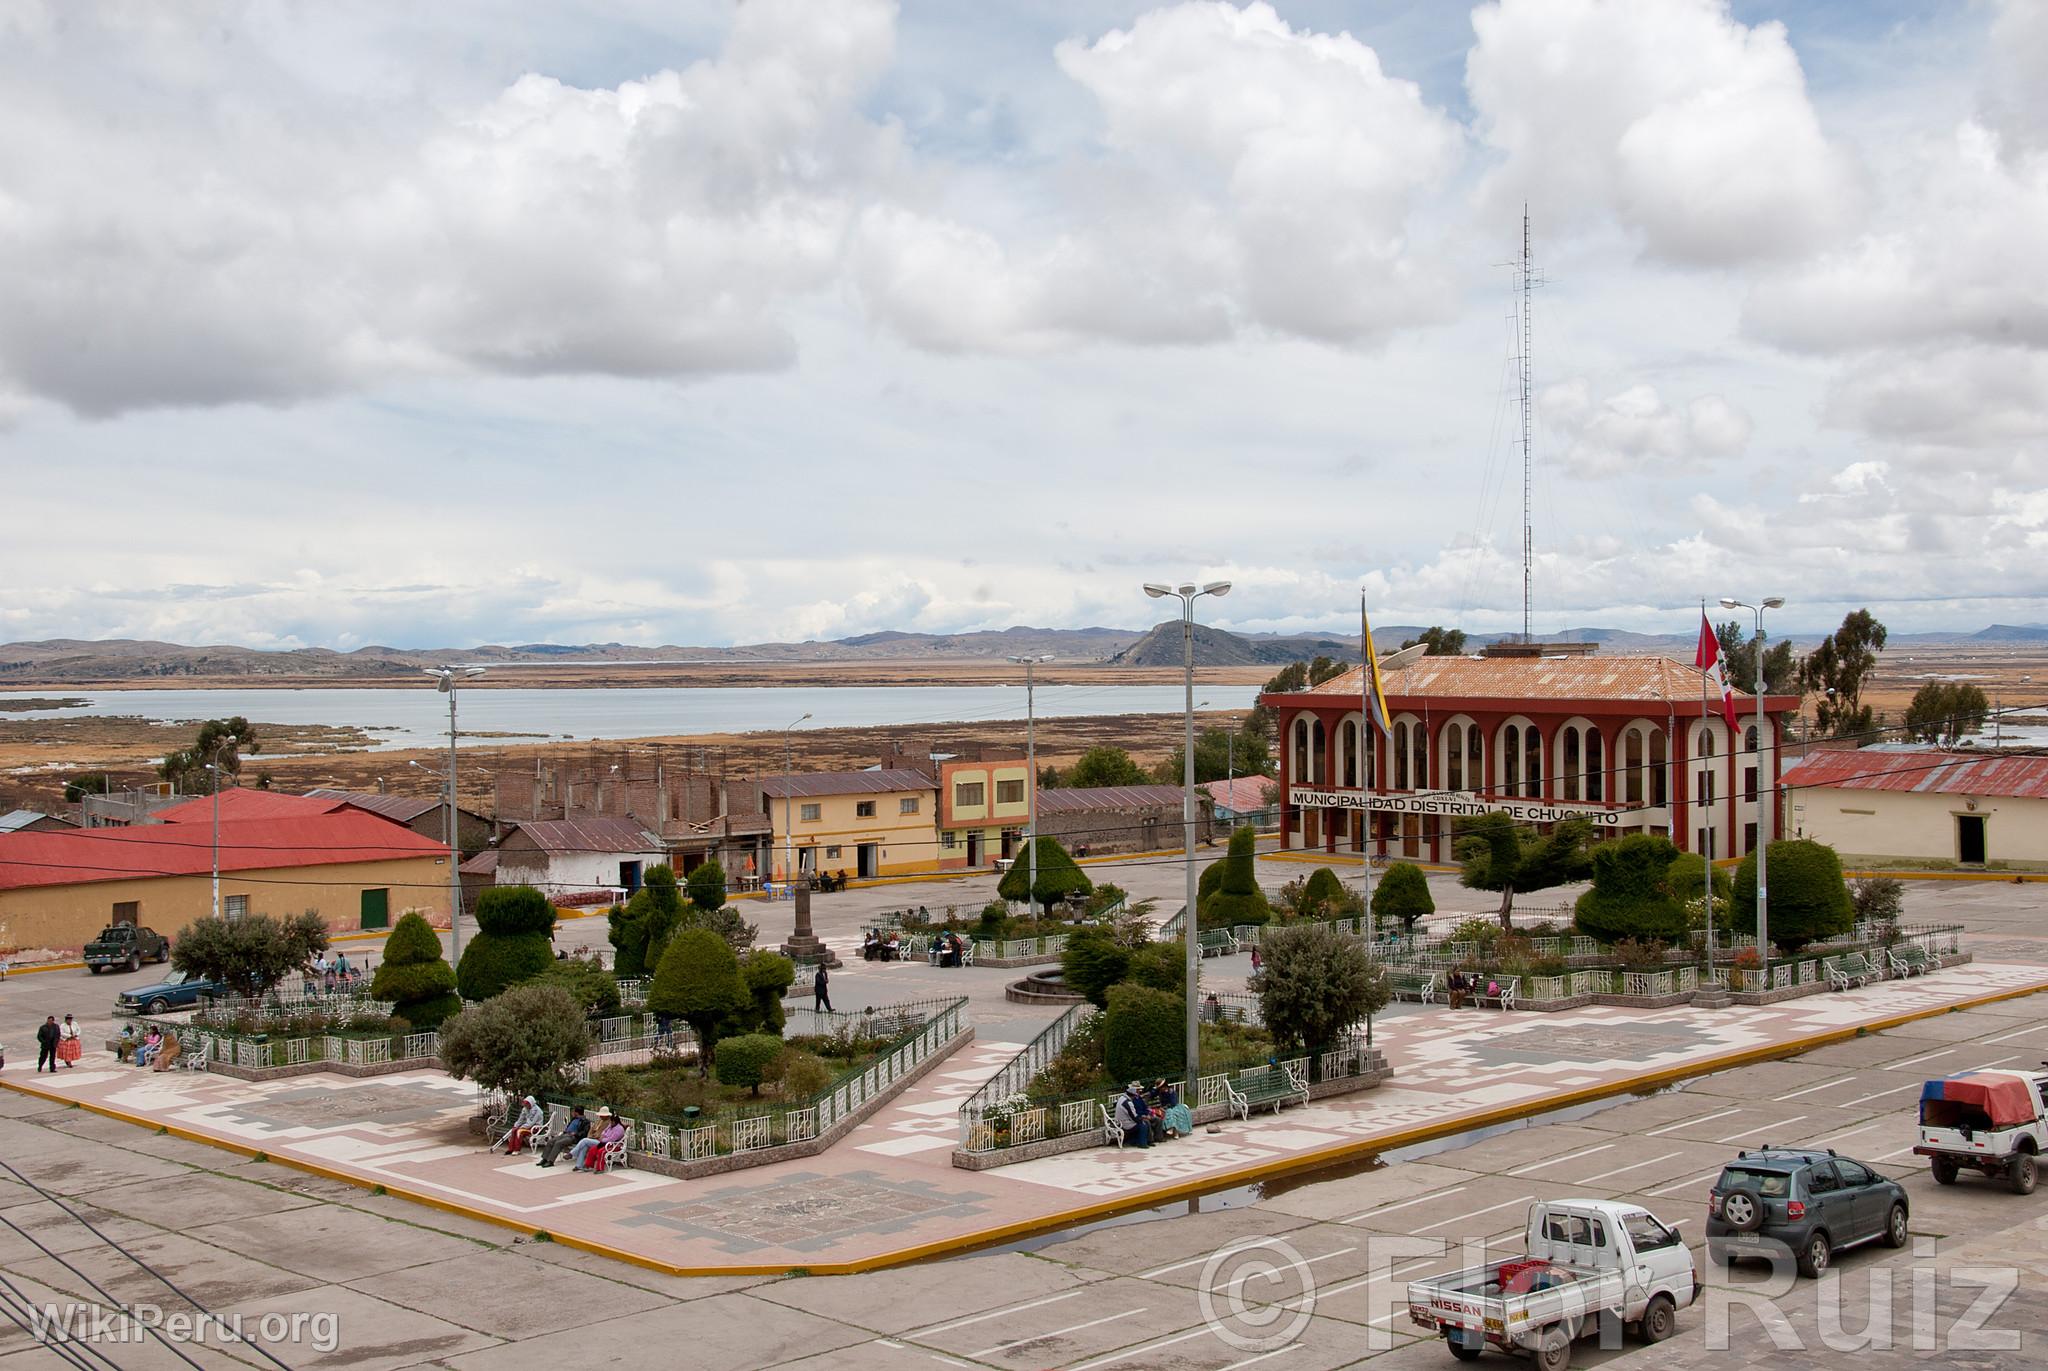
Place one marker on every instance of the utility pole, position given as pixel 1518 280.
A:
pixel 447 679
pixel 1030 772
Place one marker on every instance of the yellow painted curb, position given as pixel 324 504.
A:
pixel 1998 877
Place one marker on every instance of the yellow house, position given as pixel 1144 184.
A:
pixel 864 823
pixel 984 809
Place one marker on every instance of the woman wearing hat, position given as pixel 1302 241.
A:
pixel 588 1154
pixel 528 1122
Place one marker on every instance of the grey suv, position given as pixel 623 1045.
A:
pixel 1807 1203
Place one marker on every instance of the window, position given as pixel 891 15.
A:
pixel 1400 756
pixel 1772 1185
pixel 1632 766
pixel 1749 784
pixel 1572 764
pixel 1454 758
pixel 236 906
pixel 970 794
pixel 863 809
pixel 1646 1234
pixel 128 911
pixel 1475 758
pixel 1703 842
pixel 1596 775
pixel 1511 760
pixel 949 839
pixel 831 853
pixel 1419 750
pixel 1820 1179
pixel 1009 792
pixel 809 813
pixel 907 805
pixel 1854 1175
pixel 1703 788
pixel 1347 748
pixel 1532 780
pixel 1660 774
pixel 1748 838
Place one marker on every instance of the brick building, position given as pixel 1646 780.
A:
pixel 698 810
pixel 1122 818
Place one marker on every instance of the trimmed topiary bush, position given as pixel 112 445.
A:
pixel 744 1060
pixel 766 975
pixel 1093 962
pixel 1238 899
pixel 698 982
pixel 1631 895
pixel 1402 895
pixel 1144 1034
pixel 1162 966
pixel 1809 898
pixel 706 884
pixel 414 975
pixel 511 943
pixel 1210 882
pixel 1322 895
pixel 1686 878
pixel 1058 875
pixel 589 984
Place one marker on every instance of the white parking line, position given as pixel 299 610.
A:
pixel 2017 1032
pixel 1390 1208
pixel 1225 1251
pixel 1837 1137
pixel 1680 1185
pixel 1630 1167
pixel 1811 1089
pixel 1900 1153
pixel 1251 1361
pixel 994 1314
pixel 1238 1280
pixel 1880 1094
pixel 1915 1061
pixel 1445 1223
pixel 1396 1274
pixel 1057 1332
pixel 1688 1123
pixel 1765 1128
pixel 1556 1161
pixel 1115 1357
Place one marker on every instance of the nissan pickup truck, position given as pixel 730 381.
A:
pixel 126 945
pixel 1989 1121
pixel 1584 1260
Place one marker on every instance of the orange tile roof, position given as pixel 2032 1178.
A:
pixel 1659 679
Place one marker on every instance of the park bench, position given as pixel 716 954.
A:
pixel 1420 986
pixel 1264 1085
pixel 614 1155
pixel 1110 1132
pixel 1853 970
pixel 967 946
pixel 1217 942
pixel 1510 987
pixel 1911 959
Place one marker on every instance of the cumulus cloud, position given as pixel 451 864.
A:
pixel 1635 430
pixel 1692 129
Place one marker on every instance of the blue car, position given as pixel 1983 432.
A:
pixel 175 991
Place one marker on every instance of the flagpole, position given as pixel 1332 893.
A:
pixel 1707 857
pixel 1365 715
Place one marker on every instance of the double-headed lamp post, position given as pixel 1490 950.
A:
pixel 446 680
pixel 1766 795
pixel 1030 772
pixel 219 774
pixel 1187 595
pixel 788 828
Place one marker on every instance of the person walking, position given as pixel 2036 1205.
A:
pixel 68 1046
pixel 46 1044
pixel 821 990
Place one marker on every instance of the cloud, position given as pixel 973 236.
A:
pixel 1690 128
pixel 1635 430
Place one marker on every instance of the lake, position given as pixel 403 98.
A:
pixel 411 718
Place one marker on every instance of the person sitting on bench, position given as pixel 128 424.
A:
pixel 613 1131
pixel 530 1118
pixel 577 1129
pixel 1134 1117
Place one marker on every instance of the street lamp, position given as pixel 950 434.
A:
pixel 218 772
pixel 788 827
pixel 1187 595
pixel 446 680
pixel 1030 771
pixel 1765 790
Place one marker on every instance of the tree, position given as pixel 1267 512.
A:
pixel 1316 983
pixel 1219 755
pixel 1878 899
pixel 706 885
pixel 220 740
pixel 1837 670
pixel 1441 642
pixel 1160 966
pixel 1104 765
pixel 511 943
pixel 698 981
pixel 1403 894
pixel 251 953
pixel 1498 854
pixel 522 1042
pixel 587 982
pixel 1144 1035
pixel 1058 875
pixel 744 1059
pixel 642 927
pixel 1093 961
pixel 1738 659
pixel 1809 898
pixel 1632 896
pixel 1321 896
pixel 1238 899
pixel 87 783
pixel 414 976
pixel 766 975
pixel 1943 711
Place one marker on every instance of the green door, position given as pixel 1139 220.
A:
pixel 376 909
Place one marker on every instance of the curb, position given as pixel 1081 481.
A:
pixel 1151 1199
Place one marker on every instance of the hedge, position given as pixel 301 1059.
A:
pixel 744 1060
pixel 1144 1036
pixel 1631 895
pixel 1809 899
pixel 414 976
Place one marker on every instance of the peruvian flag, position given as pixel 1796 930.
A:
pixel 1708 659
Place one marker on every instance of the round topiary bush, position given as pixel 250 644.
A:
pixel 1321 895
pixel 1058 875
pixel 1809 898
pixel 743 1060
pixel 1238 899
pixel 698 982
pixel 414 975
pixel 1402 896
pixel 1144 1034
pixel 1631 897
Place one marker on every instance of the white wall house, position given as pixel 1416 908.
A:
pixel 1923 805
pixel 563 857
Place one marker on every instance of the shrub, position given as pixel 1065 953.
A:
pixel 1686 879
pixel 766 975
pixel 1161 966
pixel 1639 955
pixel 1631 897
pixel 1058 875
pixel 510 910
pixel 706 885
pixel 414 976
pixel 1321 895
pixel 1809 899
pixel 586 982
pixel 699 982
pixel 511 942
pixel 1209 883
pixel 521 1042
pixel 726 923
pixel 1403 894
pixel 744 1059
pixel 1316 983
pixel 251 953
pixel 1105 897
pixel 1093 962
pixel 1078 1067
pixel 1145 1034
pixel 802 1074
pixel 1238 899
pixel 1877 899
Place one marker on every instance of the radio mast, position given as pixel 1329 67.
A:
pixel 1525 283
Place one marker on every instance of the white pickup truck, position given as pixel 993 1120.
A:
pixel 1585 1259
pixel 1989 1121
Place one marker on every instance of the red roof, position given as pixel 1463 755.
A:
pixel 119 854
pixel 1242 795
pixel 240 803
pixel 1926 771
pixel 1617 679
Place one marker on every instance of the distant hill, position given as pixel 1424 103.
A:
pixel 1216 647
pixel 2012 633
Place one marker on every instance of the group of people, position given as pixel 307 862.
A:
pixel 1146 1116
pixel 337 974
pixel 876 947
pixel 584 1140
pixel 947 949
pixel 155 1049
pixel 825 882
pixel 57 1042
pixel 1459 985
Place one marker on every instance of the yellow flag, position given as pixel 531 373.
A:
pixel 1374 694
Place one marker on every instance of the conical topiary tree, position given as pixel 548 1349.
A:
pixel 510 944
pixel 1058 875
pixel 699 982
pixel 1403 894
pixel 414 975
pixel 706 885
pixel 1238 900
pixel 641 928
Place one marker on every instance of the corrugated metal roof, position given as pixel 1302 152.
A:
pixel 1928 771
pixel 811 784
pixel 1564 678
pixel 587 835
pixel 243 802
pixel 1239 795
pixel 402 809
pixel 19 819
pixel 484 863
pixel 1109 797
pixel 116 854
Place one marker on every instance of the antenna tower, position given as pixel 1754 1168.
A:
pixel 1526 280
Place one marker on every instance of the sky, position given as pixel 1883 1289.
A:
pixel 701 323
